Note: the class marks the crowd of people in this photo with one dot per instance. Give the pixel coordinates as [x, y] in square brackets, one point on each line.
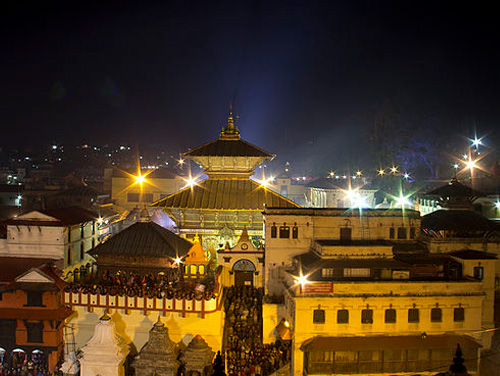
[246, 355]
[21, 365]
[168, 283]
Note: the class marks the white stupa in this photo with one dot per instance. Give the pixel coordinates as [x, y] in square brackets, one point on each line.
[104, 354]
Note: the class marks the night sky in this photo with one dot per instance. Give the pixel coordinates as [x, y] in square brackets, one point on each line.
[306, 76]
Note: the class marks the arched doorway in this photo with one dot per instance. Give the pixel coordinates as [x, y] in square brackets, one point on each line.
[3, 361]
[243, 272]
[19, 360]
[39, 361]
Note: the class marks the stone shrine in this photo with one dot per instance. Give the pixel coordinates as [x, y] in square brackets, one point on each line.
[197, 357]
[159, 355]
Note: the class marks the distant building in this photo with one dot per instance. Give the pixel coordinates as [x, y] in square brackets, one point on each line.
[125, 191]
[340, 192]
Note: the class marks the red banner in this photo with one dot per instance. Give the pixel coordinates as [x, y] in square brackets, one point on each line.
[317, 288]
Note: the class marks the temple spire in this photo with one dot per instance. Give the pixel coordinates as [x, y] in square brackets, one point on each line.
[231, 131]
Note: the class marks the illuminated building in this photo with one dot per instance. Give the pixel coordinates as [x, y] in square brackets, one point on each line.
[362, 296]
[31, 315]
[340, 193]
[228, 201]
[127, 193]
[65, 234]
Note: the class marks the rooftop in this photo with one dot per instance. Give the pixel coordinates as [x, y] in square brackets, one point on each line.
[457, 220]
[144, 239]
[341, 212]
[225, 194]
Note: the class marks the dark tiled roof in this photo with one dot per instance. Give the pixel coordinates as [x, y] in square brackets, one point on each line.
[342, 212]
[71, 215]
[230, 148]
[388, 342]
[470, 254]
[12, 267]
[225, 194]
[144, 239]
[35, 313]
[354, 243]
[457, 220]
[312, 261]
[453, 189]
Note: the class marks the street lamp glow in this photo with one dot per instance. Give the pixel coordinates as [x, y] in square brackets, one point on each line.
[394, 169]
[190, 181]
[381, 172]
[476, 142]
[358, 173]
[402, 201]
[470, 164]
[301, 280]
[406, 175]
[497, 205]
[140, 179]
[181, 161]
[455, 166]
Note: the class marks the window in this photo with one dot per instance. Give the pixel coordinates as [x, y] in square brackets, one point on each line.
[148, 197]
[342, 316]
[295, 232]
[357, 272]
[327, 272]
[82, 251]
[345, 234]
[478, 272]
[132, 197]
[367, 316]
[402, 233]
[436, 315]
[35, 331]
[34, 298]
[274, 231]
[391, 233]
[93, 228]
[284, 232]
[413, 315]
[93, 243]
[390, 316]
[319, 316]
[69, 255]
[413, 232]
[458, 314]
[82, 231]
[0, 295]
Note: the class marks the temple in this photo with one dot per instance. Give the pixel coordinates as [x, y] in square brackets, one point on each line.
[228, 200]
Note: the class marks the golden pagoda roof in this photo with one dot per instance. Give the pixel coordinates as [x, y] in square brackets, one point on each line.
[225, 194]
[235, 147]
[229, 144]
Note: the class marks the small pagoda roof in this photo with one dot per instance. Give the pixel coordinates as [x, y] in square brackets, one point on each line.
[228, 148]
[454, 189]
[457, 220]
[225, 194]
[144, 239]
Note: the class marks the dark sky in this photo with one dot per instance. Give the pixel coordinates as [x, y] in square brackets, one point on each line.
[305, 75]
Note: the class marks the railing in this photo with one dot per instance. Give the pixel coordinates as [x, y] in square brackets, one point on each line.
[144, 303]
